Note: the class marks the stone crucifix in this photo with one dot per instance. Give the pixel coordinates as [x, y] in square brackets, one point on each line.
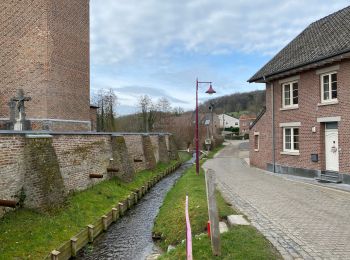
[20, 109]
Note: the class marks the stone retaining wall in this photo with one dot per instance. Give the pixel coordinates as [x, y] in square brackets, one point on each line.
[49, 166]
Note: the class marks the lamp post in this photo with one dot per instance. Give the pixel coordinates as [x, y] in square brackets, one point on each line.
[209, 91]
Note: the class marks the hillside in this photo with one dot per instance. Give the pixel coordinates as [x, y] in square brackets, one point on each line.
[251, 102]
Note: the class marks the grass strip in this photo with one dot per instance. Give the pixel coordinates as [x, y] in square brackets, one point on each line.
[184, 156]
[243, 242]
[29, 234]
[170, 223]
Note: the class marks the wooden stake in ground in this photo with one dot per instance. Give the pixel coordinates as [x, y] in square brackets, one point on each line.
[213, 212]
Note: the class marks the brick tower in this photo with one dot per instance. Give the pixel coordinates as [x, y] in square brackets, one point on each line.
[44, 50]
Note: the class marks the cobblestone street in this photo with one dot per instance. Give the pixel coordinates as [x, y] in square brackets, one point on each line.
[303, 221]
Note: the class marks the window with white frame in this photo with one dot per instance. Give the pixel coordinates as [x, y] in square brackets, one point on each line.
[290, 93]
[291, 139]
[256, 142]
[329, 87]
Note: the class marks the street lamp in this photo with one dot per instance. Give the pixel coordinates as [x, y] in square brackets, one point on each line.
[210, 91]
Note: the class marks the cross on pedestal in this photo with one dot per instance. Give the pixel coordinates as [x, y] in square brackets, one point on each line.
[20, 109]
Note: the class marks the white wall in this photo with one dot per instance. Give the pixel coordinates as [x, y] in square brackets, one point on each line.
[228, 121]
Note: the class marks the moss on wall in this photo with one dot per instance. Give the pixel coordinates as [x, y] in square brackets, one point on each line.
[43, 182]
[121, 159]
[173, 148]
[148, 152]
[163, 149]
[85, 150]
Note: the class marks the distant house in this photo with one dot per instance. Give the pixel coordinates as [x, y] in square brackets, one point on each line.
[305, 128]
[245, 121]
[227, 121]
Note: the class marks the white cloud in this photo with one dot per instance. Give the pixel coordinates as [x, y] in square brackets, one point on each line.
[153, 45]
[134, 30]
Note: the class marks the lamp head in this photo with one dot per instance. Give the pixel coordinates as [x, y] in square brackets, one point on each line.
[210, 91]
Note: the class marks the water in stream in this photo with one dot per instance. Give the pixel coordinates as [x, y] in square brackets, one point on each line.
[131, 236]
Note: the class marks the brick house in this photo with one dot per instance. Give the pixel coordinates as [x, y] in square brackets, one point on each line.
[305, 127]
[45, 52]
[245, 121]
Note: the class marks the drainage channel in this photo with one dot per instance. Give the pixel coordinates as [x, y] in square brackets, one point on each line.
[131, 236]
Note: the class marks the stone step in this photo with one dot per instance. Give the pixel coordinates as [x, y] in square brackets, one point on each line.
[234, 220]
[328, 176]
[331, 173]
[223, 227]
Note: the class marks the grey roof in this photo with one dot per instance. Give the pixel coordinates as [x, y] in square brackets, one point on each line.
[325, 38]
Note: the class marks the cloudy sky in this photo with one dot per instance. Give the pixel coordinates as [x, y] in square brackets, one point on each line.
[159, 47]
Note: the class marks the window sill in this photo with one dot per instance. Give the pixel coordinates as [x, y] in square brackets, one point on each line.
[291, 153]
[327, 103]
[289, 108]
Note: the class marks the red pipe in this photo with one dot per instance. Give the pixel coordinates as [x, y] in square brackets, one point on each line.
[95, 176]
[8, 203]
[112, 170]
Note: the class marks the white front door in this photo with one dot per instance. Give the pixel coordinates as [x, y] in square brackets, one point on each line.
[332, 150]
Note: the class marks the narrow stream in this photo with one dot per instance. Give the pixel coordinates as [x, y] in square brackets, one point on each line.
[131, 236]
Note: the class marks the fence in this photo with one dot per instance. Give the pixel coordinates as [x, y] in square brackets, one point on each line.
[88, 235]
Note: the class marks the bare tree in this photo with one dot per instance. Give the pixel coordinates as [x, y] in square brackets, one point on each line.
[106, 100]
[178, 111]
[164, 105]
[145, 104]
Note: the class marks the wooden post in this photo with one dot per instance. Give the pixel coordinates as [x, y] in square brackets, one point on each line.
[213, 212]
[104, 222]
[91, 233]
[73, 241]
[135, 197]
[143, 190]
[129, 202]
[54, 254]
[121, 212]
[114, 214]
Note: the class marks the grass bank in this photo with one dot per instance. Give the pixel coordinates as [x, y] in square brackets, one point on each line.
[184, 156]
[28, 234]
[239, 243]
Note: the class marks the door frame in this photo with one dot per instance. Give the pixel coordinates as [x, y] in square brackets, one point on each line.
[331, 130]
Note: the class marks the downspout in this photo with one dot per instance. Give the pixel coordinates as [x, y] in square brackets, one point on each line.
[273, 126]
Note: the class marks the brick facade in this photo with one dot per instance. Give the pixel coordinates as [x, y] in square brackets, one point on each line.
[244, 123]
[45, 52]
[67, 160]
[307, 113]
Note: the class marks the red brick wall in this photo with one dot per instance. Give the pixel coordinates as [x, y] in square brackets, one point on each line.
[307, 114]
[244, 125]
[93, 118]
[12, 169]
[263, 126]
[77, 157]
[23, 54]
[45, 51]
[68, 26]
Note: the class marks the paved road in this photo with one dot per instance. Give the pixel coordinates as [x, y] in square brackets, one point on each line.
[303, 221]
